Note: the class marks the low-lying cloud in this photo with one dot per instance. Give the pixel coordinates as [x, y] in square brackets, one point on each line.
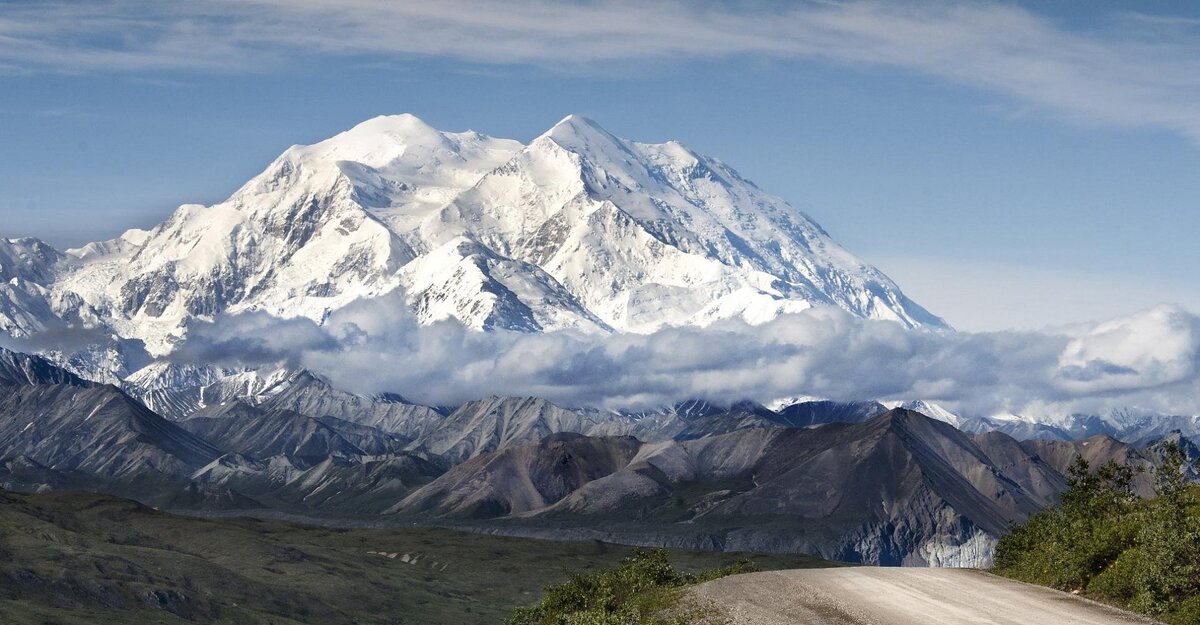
[1148, 361]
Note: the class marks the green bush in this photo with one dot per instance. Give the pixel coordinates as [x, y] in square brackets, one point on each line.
[1118, 582]
[1187, 612]
[642, 590]
[1102, 540]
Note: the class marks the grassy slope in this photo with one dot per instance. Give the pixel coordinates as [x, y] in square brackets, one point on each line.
[84, 558]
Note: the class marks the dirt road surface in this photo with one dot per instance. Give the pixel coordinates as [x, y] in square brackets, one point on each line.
[897, 596]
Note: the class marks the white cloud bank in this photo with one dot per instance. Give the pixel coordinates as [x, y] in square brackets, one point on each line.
[1148, 361]
[1133, 70]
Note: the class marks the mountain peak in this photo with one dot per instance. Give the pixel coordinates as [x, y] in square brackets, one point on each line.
[378, 141]
[575, 119]
[931, 410]
[906, 423]
[575, 132]
[403, 123]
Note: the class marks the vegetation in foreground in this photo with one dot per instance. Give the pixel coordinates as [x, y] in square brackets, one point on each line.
[1106, 543]
[82, 558]
[644, 589]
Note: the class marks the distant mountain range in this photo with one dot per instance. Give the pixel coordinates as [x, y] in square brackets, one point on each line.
[853, 481]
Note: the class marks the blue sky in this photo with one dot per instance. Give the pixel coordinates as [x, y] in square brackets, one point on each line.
[1009, 166]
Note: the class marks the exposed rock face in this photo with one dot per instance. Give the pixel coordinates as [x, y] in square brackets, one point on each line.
[59, 431]
[179, 392]
[52, 422]
[243, 429]
[900, 488]
[499, 422]
[525, 478]
[820, 412]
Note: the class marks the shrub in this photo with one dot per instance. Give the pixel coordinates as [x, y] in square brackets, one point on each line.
[1118, 582]
[1101, 539]
[1187, 613]
[640, 591]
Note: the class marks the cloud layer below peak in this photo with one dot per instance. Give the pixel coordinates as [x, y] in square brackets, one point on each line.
[1148, 361]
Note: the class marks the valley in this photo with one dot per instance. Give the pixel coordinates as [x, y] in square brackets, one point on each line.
[81, 558]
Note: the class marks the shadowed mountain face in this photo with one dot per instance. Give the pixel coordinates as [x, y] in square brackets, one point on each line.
[499, 422]
[18, 369]
[900, 488]
[96, 429]
[524, 478]
[810, 413]
[495, 423]
[52, 419]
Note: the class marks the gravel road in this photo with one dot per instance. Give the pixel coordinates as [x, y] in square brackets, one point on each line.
[897, 596]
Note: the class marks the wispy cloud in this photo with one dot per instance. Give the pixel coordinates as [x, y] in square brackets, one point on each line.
[1135, 70]
[167, 83]
[64, 112]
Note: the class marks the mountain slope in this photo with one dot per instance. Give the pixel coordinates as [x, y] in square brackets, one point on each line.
[821, 412]
[897, 488]
[646, 235]
[60, 432]
[240, 428]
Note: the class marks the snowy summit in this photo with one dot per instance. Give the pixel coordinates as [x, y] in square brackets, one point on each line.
[578, 229]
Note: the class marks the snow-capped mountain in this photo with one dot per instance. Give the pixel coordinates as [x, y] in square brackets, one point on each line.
[578, 229]
[26, 265]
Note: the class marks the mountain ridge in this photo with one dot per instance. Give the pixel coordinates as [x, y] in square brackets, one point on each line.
[898, 488]
[817, 477]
